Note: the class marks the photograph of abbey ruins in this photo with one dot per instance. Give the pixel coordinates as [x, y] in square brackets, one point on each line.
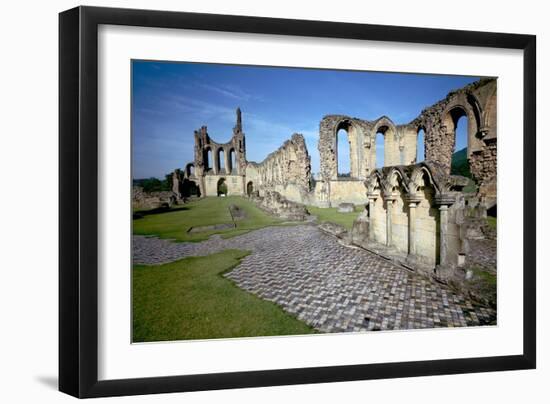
[272, 201]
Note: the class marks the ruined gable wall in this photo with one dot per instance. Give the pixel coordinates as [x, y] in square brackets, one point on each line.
[360, 151]
[286, 171]
[220, 165]
[478, 102]
[399, 145]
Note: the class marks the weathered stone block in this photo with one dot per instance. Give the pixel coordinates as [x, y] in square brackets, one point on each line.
[346, 207]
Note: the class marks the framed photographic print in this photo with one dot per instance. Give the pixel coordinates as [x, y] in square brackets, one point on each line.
[251, 201]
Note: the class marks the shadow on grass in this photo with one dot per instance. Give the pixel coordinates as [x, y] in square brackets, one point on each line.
[142, 213]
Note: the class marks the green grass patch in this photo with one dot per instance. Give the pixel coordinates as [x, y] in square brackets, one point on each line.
[332, 215]
[489, 278]
[175, 223]
[190, 299]
[492, 222]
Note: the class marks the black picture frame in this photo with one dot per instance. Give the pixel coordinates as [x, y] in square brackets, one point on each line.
[78, 201]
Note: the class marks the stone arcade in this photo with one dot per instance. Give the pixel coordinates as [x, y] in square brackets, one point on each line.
[415, 213]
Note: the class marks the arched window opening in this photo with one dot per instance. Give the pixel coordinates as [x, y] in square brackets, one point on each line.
[208, 159]
[380, 146]
[221, 160]
[459, 160]
[249, 188]
[232, 165]
[420, 145]
[343, 151]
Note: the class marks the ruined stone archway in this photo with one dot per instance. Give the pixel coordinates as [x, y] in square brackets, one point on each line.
[190, 170]
[221, 187]
[456, 117]
[249, 188]
[396, 195]
[220, 160]
[427, 241]
[347, 129]
[190, 188]
[208, 162]
[420, 144]
[231, 162]
[328, 146]
[441, 124]
[391, 151]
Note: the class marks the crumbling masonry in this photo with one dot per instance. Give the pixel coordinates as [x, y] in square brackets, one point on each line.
[415, 211]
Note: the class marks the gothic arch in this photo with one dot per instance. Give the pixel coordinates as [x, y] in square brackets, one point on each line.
[374, 183]
[464, 104]
[208, 159]
[396, 178]
[420, 128]
[189, 170]
[352, 134]
[220, 160]
[425, 190]
[232, 161]
[420, 177]
[387, 128]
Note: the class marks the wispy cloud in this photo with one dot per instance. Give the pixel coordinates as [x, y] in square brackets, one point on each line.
[199, 108]
[229, 91]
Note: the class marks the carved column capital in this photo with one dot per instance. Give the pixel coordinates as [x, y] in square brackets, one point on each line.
[372, 196]
[445, 200]
[413, 199]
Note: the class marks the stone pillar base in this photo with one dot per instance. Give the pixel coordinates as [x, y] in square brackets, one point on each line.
[444, 273]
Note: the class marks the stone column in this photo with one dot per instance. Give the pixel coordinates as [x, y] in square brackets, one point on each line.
[389, 212]
[413, 202]
[444, 201]
[175, 184]
[443, 214]
[372, 200]
[227, 158]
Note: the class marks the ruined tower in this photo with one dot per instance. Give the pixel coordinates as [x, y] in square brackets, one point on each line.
[215, 162]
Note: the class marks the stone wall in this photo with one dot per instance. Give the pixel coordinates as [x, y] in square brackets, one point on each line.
[275, 204]
[217, 160]
[412, 214]
[142, 200]
[476, 102]
[286, 171]
[234, 184]
[347, 191]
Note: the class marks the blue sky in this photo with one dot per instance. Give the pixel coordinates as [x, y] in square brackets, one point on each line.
[170, 100]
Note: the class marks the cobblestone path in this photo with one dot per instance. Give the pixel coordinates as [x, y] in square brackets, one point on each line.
[483, 253]
[331, 287]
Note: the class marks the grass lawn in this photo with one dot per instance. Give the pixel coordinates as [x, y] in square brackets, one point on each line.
[175, 223]
[332, 215]
[190, 299]
[492, 222]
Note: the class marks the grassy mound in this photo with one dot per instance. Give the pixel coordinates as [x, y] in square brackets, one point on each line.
[175, 223]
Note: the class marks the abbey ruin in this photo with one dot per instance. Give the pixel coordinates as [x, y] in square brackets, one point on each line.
[416, 213]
